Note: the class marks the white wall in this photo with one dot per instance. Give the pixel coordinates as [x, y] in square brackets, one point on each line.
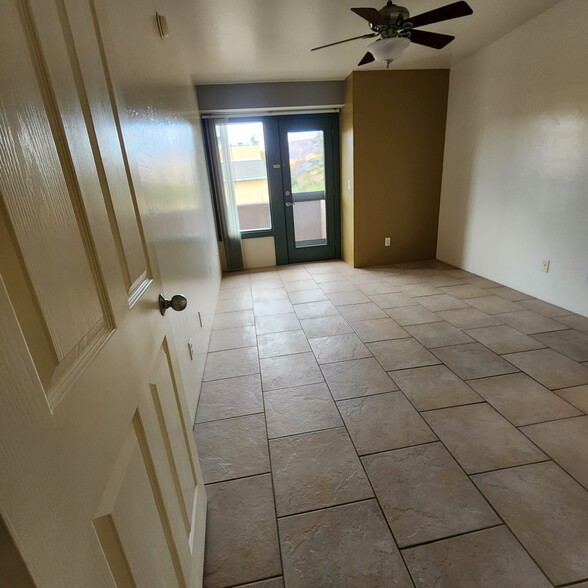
[515, 177]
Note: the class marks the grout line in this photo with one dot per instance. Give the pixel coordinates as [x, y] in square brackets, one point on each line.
[423, 543]
[236, 478]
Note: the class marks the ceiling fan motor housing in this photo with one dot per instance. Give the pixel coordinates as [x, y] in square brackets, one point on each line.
[396, 17]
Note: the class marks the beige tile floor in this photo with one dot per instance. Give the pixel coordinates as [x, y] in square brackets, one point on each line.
[412, 425]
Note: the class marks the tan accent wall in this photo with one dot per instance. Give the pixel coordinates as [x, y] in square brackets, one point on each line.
[398, 133]
[347, 181]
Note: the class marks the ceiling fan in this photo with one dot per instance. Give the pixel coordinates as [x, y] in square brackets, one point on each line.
[396, 29]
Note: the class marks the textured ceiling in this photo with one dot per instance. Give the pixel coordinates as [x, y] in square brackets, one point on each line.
[270, 40]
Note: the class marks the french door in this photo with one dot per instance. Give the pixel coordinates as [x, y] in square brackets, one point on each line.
[284, 175]
[309, 198]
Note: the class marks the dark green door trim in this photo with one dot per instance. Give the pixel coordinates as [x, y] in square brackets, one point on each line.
[312, 251]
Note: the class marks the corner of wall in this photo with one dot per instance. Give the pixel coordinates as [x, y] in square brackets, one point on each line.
[347, 176]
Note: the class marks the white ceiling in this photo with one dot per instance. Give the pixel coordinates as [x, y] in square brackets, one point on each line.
[270, 40]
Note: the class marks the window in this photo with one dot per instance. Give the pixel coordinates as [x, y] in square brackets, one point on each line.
[249, 174]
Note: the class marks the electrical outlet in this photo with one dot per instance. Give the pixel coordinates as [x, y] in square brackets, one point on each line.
[387, 242]
[191, 348]
[545, 265]
[349, 184]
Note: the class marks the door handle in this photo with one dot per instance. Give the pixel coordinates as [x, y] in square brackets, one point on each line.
[177, 303]
[286, 193]
[289, 204]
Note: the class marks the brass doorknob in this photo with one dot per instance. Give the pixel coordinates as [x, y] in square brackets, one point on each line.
[177, 303]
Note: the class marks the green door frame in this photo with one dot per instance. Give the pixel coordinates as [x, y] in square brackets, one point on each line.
[328, 124]
[278, 168]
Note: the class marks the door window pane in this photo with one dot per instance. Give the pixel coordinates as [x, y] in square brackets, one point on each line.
[310, 223]
[306, 150]
[249, 177]
[307, 161]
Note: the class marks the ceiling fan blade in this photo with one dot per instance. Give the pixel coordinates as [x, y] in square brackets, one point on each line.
[434, 40]
[372, 15]
[455, 10]
[368, 36]
[367, 58]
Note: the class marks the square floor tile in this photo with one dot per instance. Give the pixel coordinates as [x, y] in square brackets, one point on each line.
[392, 300]
[315, 309]
[485, 559]
[425, 495]
[276, 323]
[378, 288]
[305, 296]
[504, 339]
[530, 322]
[237, 551]
[231, 320]
[382, 422]
[434, 387]
[346, 546]
[221, 399]
[550, 368]
[509, 293]
[299, 410]
[544, 308]
[464, 291]
[315, 470]
[300, 286]
[522, 400]
[481, 282]
[359, 377]
[473, 361]
[571, 343]
[412, 315]
[233, 293]
[289, 370]
[338, 348]
[480, 439]
[271, 294]
[548, 512]
[379, 330]
[577, 395]
[243, 303]
[325, 326]
[440, 302]
[566, 442]
[232, 448]
[231, 363]
[574, 321]
[494, 304]
[339, 285]
[361, 312]
[350, 297]
[287, 343]
[468, 318]
[232, 338]
[401, 353]
[403, 279]
[271, 307]
[438, 334]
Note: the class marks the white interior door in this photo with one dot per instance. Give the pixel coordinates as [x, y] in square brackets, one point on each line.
[100, 478]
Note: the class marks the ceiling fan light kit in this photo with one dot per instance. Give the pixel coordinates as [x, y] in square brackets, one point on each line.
[396, 28]
[387, 50]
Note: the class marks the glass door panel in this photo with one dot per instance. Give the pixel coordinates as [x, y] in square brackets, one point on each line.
[306, 151]
[309, 187]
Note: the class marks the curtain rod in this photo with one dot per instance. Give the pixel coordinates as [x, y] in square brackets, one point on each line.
[258, 113]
